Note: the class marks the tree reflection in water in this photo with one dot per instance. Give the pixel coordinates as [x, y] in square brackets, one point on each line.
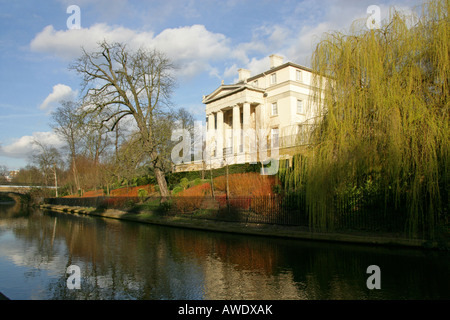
[124, 260]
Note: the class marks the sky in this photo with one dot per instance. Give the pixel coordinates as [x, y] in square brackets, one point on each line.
[208, 40]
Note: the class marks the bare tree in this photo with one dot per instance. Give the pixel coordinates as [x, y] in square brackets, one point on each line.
[30, 175]
[136, 84]
[3, 174]
[97, 138]
[68, 124]
[47, 159]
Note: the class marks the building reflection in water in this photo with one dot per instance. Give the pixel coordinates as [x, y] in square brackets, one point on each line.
[124, 260]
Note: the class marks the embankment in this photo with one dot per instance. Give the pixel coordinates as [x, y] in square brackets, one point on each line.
[290, 232]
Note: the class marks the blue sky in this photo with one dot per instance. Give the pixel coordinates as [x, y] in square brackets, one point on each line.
[209, 41]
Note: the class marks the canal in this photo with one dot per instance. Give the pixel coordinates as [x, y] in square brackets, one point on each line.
[127, 260]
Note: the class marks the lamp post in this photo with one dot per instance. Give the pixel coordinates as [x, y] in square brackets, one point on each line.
[56, 180]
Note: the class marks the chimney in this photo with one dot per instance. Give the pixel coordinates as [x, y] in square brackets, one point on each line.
[275, 61]
[244, 74]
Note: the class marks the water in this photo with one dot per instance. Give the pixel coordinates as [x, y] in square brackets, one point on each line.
[126, 260]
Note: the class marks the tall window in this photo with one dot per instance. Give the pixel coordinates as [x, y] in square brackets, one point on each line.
[300, 106]
[275, 137]
[273, 78]
[298, 75]
[274, 109]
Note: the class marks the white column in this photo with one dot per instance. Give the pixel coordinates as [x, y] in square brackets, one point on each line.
[236, 129]
[259, 127]
[210, 135]
[219, 134]
[246, 128]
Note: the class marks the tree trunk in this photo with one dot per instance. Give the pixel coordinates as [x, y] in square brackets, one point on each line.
[203, 169]
[228, 186]
[160, 178]
[75, 174]
[56, 182]
[212, 180]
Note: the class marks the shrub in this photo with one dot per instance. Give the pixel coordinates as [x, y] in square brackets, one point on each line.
[191, 199]
[246, 184]
[177, 190]
[184, 183]
[132, 191]
[266, 205]
[142, 194]
[195, 182]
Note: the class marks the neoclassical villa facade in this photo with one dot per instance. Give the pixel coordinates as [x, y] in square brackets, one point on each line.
[261, 117]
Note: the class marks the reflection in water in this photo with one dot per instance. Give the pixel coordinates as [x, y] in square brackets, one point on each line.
[124, 260]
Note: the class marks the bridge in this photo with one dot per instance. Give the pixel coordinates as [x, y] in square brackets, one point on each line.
[16, 192]
[19, 189]
[14, 189]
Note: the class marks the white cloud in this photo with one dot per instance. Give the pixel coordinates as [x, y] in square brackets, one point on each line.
[67, 44]
[257, 66]
[192, 42]
[60, 93]
[231, 71]
[24, 146]
[303, 45]
[193, 48]
[190, 47]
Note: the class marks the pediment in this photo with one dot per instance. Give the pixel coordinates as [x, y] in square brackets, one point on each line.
[223, 90]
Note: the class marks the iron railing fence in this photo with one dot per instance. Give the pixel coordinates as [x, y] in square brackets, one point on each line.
[348, 214]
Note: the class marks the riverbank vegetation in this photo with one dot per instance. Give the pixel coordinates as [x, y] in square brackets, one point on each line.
[384, 131]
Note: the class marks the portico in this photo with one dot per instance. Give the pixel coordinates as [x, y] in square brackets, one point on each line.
[259, 117]
[233, 117]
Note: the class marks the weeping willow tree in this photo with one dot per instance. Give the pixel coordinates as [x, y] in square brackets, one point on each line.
[384, 118]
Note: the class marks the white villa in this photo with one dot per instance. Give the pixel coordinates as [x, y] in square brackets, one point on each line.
[259, 117]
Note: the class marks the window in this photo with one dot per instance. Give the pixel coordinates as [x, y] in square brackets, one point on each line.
[273, 78]
[298, 75]
[300, 106]
[275, 137]
[274, 109]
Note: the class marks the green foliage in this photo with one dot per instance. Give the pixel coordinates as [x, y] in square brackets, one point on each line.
[384, 122]
[65, 190]
[144, 180]
[277, 189]
[174, 178]
[142, 194]
[164, 208]
[196, 182]
[184, 183]
[177, 189]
